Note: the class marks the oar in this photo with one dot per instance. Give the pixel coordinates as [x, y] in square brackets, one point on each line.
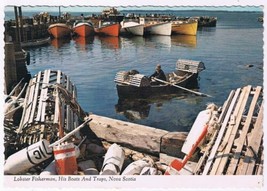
[198, 93]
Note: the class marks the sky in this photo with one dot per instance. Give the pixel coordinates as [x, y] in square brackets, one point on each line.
[100, 8]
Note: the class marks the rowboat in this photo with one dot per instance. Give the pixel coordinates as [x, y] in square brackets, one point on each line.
[35, 43]
[82, 28]
[108, 28]
[59, 30]
[133, 28]
[187, 27]
[131, 84]
[156, 26]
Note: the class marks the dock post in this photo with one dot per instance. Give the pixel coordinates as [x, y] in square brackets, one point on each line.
[10, 67]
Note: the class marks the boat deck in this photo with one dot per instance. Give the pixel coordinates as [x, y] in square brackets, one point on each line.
[236, 146]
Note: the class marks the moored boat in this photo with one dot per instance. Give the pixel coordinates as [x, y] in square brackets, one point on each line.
[206, 21]
[131, 84]
[35, 43]
[156, 26]
[59, 30]
[82, 28]
[188, 27]
[133, 28]
[108, 28]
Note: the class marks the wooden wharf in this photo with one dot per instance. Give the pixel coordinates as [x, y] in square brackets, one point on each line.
[236, 146]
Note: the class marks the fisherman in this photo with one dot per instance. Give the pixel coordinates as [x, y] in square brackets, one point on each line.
[159, 74]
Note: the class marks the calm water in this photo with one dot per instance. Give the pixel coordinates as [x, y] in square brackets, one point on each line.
[226, 51]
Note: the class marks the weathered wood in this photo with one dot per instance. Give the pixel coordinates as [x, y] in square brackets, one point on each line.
[34, 101]
[241, 140]
[137, 137]
[231, 133]
[253, 146]
[225, 108]
[172, 142]
[221, 133]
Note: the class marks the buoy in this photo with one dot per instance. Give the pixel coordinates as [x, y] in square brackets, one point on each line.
[195, 136]
[50, 169]
[113, 161]
[149, 171]
[88, 167]
[136, 167]
[28, 157]
[65, 157]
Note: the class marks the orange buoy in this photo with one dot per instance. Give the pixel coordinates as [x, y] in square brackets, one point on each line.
[65, 157]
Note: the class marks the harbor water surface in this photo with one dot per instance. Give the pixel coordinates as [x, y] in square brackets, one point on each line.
[232, 53]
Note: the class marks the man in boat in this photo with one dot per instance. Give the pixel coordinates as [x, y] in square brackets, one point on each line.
[159, 74]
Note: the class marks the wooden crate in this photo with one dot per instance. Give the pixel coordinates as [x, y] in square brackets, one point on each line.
[236, 146]
[45, 108]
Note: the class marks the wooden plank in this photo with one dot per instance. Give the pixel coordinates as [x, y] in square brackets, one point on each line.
[35, 99]
[29, 100]
[63, 105]
[25, 105]
[221, 133]
[225, 108]
[134, 136]
[41, 98]
[233, 164]
[232, 132]
[57, 104]
[254, 143]
[173, 142]
[68, 119]
[46, 82]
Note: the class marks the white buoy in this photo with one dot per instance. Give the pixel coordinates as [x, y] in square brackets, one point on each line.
[113, 161]
[136, 167]
[50, 169]
[28, 157]
[149, 171]
[88, 167]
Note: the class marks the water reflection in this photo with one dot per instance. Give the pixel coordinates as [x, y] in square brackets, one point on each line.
[184, 40]
[133, 109]
[136, 41]
[82, 42]
[57, 43]
[110, 42]
[158, 41]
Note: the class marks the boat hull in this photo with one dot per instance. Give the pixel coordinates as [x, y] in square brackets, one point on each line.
[109, 30]
[59, 30]
[128, 91]
[133, 28]
[185, 28]
[35, 43]
[158, 29]
[83, 29]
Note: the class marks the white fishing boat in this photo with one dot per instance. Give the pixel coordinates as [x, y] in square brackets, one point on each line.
[132, 27]
[156, 27]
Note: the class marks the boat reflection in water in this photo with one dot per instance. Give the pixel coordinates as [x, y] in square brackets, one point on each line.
[82, 42]
[57, 43]
[110, 42]
[184, 40]
[133, 109]
[158, 41]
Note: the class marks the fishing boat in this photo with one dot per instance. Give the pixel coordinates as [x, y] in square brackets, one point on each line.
[187, 27]
[83, 29]
[206, 21]
[133, 28]
[59, 30]
[155, 26]
[131, 84]
[108, 28]
[35, 43]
